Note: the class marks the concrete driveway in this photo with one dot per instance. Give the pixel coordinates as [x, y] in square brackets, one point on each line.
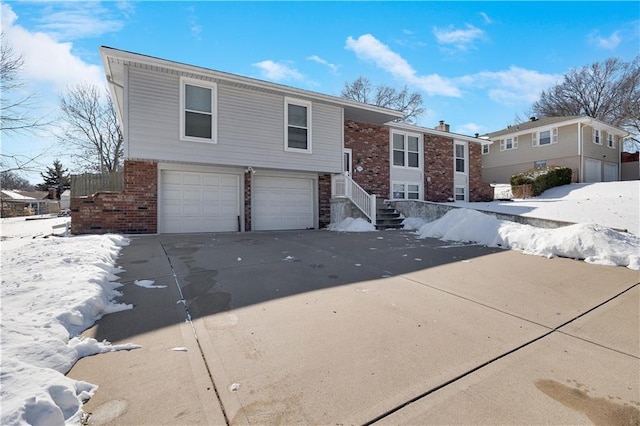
[316, 327]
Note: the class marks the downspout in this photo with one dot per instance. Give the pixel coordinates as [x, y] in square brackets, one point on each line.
[580, 153]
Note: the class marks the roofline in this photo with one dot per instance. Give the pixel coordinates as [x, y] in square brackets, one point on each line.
[583, 120]
[415, 128]
[106, 51]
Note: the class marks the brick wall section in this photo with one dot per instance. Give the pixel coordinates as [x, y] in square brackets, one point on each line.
[438, 165]
[324, 200]
[132, 211]
[370, 143]
[478, 190]
[247, 201]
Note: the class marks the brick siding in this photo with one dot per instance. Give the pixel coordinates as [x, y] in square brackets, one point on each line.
[324, 200]
[370, 146]
[478, 190]
[134, 210]
[438, 168]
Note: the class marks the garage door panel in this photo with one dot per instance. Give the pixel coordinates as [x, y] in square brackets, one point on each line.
[282, 203]
[199, 202]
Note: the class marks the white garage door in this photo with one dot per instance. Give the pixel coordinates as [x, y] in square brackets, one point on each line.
[610, 172]
[593, 170]
[198, 202]
[282, 203]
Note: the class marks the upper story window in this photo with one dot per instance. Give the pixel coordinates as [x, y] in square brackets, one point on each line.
[297, 125]
[545, 137]
[460, 158]
[509, 143]
[596, 136]
[485, 149]
[406, 150]
[198, 110]
[611, 141]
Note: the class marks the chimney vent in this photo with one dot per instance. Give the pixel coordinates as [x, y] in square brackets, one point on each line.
[442, 126]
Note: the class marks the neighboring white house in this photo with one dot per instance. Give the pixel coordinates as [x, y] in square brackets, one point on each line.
[588, 146]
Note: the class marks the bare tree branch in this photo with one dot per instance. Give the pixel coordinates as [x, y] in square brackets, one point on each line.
[361, 90]
[92, 128]
[608, 91]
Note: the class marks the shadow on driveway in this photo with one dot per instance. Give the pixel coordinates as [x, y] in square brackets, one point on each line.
[221, 272]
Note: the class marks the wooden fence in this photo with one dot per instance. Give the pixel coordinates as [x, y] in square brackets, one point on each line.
[90, 183]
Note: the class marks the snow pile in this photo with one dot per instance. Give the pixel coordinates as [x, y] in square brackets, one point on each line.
[352, 225]
[586, 241]
[52, 289]
[413, 223]
[610, 204]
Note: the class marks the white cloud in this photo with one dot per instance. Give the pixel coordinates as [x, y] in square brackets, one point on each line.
[277, 71]
[73, 20]
[512, 87]
[607, 43]
[47, 61]
[486, 18]
[367, 47]
[461, 39]
[469, 129]
[316, 58]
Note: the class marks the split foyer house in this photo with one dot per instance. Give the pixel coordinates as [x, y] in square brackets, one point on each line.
[207, 151]
[591, 148]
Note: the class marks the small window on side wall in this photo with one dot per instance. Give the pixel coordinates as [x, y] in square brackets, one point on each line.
[485, 149]
[540, 164]
[611, 141]
[297, 126]
[198, 110]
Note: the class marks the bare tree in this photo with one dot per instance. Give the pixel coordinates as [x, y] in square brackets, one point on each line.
[608, 91]
[11, 180]
[16, 104]
[92, 127]
[361, 90]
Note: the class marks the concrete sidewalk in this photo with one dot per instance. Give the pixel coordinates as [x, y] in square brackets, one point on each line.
[324, 328]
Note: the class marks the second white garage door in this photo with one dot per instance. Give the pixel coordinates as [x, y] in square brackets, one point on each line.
[198, 202]
[282, 203]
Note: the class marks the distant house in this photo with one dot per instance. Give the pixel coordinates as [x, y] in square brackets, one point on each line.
[208, 151]
[24, 203]
[588, 146]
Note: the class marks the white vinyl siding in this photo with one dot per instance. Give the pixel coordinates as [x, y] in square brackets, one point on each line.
[197, 110]
[297, 125]
[250, 128]
[509, 143]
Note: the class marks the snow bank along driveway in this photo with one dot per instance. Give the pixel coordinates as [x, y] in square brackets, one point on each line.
[52, 289]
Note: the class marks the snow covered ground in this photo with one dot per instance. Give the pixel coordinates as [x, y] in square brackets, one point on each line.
[53, 287]
[596, 208]
[51, 290]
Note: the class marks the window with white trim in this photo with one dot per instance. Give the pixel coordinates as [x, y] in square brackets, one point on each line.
[197, 110]
[485, 149]
[460, 158]
[596, 136]
[297, 125]
[406, 191]
[611, 141]
[406, 150]
[460, 193]
[545, 137]
[509, 143]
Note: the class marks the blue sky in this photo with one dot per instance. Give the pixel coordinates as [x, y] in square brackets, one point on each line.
[478, 65]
